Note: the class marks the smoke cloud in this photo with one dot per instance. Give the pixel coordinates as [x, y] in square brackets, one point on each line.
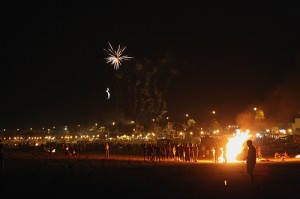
[280, 104]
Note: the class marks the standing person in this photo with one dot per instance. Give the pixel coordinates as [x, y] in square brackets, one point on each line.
[145, 149]
[67, 151]
[196, 151]
[217, 153]
[174, 152]
[251, 159]
[258, 150]
[225, 154]
[74, 153]
[214, 154]
[106, 150]
[2, 156]
[203, 150]
[50, 149]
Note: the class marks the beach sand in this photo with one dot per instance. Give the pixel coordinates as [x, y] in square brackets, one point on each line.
[93, 176]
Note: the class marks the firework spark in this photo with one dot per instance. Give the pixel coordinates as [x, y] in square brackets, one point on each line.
[115, 57]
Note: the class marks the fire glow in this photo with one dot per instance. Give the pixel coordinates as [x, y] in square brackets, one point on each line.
[235, 145]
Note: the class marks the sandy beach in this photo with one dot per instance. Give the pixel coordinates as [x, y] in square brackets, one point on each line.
[93, 176]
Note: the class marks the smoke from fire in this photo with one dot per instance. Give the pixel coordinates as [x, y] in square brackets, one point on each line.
[279, 105]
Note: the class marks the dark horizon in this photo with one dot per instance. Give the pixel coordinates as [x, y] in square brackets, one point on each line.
[227, 60]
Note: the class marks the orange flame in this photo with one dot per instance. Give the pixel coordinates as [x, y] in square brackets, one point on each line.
[234, 145]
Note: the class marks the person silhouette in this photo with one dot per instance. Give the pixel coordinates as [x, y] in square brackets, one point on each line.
[108, 94]
[251, 159]
[2, 156]
[106, 150]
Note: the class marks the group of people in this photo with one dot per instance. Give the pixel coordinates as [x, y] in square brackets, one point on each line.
[219, 154]
[166, 151]
[71, 151]
[281, 156]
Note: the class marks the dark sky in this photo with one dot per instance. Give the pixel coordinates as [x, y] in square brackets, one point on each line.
[228, 58]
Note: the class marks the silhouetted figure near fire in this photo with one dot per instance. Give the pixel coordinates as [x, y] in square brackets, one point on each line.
[213, 154]
[225, 154]
[251, 159]
[106, 150]
[145, 151]
[258, 150]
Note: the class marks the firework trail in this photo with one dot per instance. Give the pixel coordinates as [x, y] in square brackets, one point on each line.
[108, 94]
[115, 57]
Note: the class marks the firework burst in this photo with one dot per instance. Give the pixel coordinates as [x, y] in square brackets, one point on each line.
[115, 57]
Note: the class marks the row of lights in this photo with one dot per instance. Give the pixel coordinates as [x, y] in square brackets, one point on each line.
[96, 124]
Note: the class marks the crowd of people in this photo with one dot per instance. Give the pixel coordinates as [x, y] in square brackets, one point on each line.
[149, 151]
[154, 151]
[186, 152]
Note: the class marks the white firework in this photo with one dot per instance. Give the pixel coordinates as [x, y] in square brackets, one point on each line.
[115, 57]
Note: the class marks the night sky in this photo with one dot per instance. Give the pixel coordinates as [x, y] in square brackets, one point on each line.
[227, 58]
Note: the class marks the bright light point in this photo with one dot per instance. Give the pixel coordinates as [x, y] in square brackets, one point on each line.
[283, 131]
[225, 182]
